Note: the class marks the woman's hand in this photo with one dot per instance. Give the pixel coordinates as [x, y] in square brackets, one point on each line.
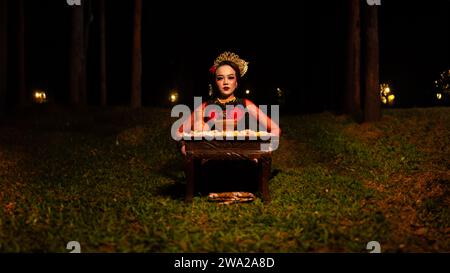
[183, 149]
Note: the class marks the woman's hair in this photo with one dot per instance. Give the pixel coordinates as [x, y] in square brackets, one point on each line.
[235, 68]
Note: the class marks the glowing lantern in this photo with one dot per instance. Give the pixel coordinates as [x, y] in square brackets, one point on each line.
[386, 95]
[40, 96]
[173, 97]
[391, 99]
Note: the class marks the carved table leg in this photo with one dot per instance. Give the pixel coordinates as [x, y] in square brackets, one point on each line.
[263, 177]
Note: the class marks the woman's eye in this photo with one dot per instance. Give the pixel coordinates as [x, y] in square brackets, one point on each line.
[231, 78]
[219, 79]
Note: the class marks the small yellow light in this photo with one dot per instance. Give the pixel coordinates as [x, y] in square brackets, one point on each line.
[247, 91]
[439, 96]
[391, 98]
[279, 92]
[383, 100]
[173, 95]
[40, 96]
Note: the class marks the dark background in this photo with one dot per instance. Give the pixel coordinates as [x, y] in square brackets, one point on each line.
[298, 46]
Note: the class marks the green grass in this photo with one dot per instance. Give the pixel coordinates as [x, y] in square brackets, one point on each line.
[112, 179]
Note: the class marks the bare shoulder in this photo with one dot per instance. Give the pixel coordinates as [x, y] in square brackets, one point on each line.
[248, 102]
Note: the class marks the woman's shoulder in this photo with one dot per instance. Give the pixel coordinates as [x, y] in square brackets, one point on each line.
[247, 102]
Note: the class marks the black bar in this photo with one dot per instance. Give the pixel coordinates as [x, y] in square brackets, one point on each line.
[224, 262]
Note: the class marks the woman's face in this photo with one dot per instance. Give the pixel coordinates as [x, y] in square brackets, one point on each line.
[226, 80]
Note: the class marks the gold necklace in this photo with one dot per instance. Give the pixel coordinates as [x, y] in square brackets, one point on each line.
[226, 100]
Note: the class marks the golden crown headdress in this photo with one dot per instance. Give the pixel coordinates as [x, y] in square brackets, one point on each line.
[232, 57]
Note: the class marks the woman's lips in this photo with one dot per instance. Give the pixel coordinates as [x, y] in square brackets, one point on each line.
[226, 88]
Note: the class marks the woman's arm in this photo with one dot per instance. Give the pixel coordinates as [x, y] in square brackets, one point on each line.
[193, 123]
[262, 118]
[190, 124]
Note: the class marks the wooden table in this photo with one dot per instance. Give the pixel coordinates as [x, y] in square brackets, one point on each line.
[198, 150]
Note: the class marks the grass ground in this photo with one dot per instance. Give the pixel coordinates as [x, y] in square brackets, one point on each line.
[112, 179]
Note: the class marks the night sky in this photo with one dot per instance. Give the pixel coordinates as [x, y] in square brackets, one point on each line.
[298, 47]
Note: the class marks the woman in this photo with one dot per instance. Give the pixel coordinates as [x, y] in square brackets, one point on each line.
[227, 71]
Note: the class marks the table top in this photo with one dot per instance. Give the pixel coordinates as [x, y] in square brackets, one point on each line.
[226, 135]
[238, 144]
[226, 149]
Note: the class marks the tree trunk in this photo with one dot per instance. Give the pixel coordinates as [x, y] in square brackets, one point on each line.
[352, 99]
[23, 98]
[136, 73]
[3, 54]
[372, 104]
[87, 20]
[103, 79]
[77, 56]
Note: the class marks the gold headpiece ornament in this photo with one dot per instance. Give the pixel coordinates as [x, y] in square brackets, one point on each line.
[230, 56]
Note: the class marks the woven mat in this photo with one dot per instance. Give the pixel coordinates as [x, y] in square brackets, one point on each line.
[226, 198]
